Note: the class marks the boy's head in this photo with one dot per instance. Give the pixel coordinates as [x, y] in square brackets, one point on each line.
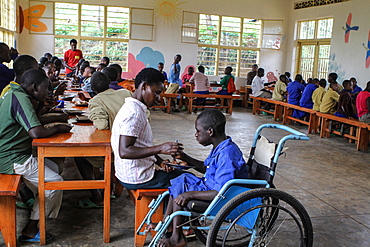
[101, 66]
[315, 81]
[322, 83]
[99, 82]
[73, 44]
[287, 74]
[354, 82]
[298, 78]
[283, 78]
[149, 86]
[105, 60]
[54, 58]
[43, 60]
[58, 64]
[84, 65]
[254, 67]
[177, 58]
[347, 85]
[367, 87]
[4, 53]
[89, 71]
[190, 70]
[332, 77]
[334, 85]
[119, 71]
[111, 73]
[48, 56]
[51, 65]
[261, 72]
[160, 66]
[228, 70]
[310, 80]
[208, 125]
[48, 71]
[201, 68]
[36, 84]
[22, 64]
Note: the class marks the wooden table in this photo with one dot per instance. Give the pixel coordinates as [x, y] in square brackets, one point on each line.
[83, 141]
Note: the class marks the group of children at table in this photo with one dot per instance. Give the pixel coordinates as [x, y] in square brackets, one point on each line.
[347, 100]
[135, 156]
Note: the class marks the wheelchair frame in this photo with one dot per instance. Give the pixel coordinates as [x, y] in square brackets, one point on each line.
[227, 192]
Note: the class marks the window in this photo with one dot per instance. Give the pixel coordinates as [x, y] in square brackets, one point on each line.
[314, 48]
[228, 41]
[100, 31]
[7, 21]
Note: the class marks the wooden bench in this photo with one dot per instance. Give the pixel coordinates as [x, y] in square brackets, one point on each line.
[141, 199]
[192, 96]
[312, 122]
[163, 105]
[360, 136]
[257, 109]
[9, 187]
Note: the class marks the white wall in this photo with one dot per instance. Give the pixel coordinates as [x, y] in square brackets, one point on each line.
[349, 57]
[167, 37]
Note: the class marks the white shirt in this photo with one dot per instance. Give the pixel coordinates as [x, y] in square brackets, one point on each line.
[200, 81]
[257, 86]
[132, 120]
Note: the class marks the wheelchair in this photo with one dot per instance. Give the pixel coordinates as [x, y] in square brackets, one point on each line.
[246, 212]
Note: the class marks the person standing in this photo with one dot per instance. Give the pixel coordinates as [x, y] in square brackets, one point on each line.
[72, 57]
[174, 79]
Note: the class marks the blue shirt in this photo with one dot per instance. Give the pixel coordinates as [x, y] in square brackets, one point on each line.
[294, 90]
[306, 100]
[175, 77]
[224, 163]
[356, 89]
[6, 76]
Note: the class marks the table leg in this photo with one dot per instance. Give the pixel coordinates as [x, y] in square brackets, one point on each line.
[8, 220]
[107, 178]
[41, 195]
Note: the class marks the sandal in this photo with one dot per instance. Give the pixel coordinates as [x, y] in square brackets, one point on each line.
[36, 238]
[26, 205]
[87, 203]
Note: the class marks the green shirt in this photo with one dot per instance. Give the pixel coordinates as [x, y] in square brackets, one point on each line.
[17, 118]
[225, 81]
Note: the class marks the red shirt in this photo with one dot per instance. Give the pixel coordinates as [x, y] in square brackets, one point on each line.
[71, 58]
[361, 103]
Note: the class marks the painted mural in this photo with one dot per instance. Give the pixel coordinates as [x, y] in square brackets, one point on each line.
[349, 28]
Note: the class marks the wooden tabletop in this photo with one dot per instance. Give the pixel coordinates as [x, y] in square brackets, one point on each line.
[9, 184]
[80, 135]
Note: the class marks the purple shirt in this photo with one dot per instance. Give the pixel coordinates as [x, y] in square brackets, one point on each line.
[114, 85]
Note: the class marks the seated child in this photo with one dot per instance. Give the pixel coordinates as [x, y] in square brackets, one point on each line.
[258, 85]
[363, 104]
[135, 155]
[185, 79]
[112, 74]
[105, 60]
[19, 126]
[346, 105]
[119, 71]
[225, 162]
[160, 68]
[88, 72]
[330, 99]
[318, 94]
[201, 85]
[280, 88]
[101, 66]
[356, 88]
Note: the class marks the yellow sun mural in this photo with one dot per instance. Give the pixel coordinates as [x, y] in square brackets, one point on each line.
[167, 11]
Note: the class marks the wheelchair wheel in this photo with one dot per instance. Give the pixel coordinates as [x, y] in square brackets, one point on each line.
[261, 217]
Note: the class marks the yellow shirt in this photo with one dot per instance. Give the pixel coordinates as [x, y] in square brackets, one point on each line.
[279, 91]
[7, 88]
[329, 102]
[317, 96]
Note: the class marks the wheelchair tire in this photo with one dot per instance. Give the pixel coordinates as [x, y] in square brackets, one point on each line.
[265, 216]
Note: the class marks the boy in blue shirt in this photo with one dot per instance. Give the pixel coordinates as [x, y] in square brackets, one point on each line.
[295, 89]
[225, 162]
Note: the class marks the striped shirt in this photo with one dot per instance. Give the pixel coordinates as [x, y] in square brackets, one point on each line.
[132, 120]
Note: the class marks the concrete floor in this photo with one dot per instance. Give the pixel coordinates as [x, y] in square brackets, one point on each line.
[328, 176]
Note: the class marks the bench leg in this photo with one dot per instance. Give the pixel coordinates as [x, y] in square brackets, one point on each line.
[363, 138]
[190, 105]
[256, 105]
[141, 211]
[231, 106]
[8, 220]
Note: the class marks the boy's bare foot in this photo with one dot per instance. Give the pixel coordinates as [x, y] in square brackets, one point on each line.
[170, 242]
